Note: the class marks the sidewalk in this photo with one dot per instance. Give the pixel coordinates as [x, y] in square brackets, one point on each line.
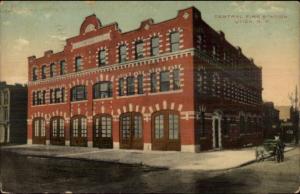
[211, 160]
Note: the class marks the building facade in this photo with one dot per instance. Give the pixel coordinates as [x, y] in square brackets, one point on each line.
[13, 113]
[173, 85]
[271, 121]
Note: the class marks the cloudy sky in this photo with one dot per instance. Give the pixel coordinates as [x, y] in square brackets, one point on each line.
[266, 31]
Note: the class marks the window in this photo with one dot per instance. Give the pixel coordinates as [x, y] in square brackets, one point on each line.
[139, 50]
[5, 111]
[154, 46]
[58, 95]
[44, 72]
[202, 124]
[51, 96]
[214, 51]
[159, 126]
[176, 79]
[5, 97]
[121, 87]
[242, 124]
[130, 85]
[174, 37]
[137, 126]
[101, 57]
[62, 67]
[122, 53]
[103, 126]
[103, 90]
[140, 84]
[164, 81]
[57, 127]
[34, 74]
[78, 64]
[52, 70]
[125, 126]
[153, 82]
[78, 93]
[173, 126]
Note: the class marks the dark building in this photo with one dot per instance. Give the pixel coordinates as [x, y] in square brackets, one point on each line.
[271, 121]
[13, 113]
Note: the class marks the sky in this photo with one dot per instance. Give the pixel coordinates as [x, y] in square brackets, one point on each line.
[267, 31]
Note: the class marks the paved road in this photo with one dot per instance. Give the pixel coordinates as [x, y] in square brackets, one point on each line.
[34, 174]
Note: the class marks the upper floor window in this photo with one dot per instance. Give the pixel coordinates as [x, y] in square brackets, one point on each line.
[130, 85]
[62, 67]
[101, 57]
[40, 97]
[174, 37]
[78, 64]
[34, 74]
[176, 79]
[44, 72]
[164, 81]
[154, 46]
[153, 82]
[78, 93]
[140, 84]
[121, 87]
[214, 51]
[122, 53]
[103, 89]
[5, 97]
[52, 70]
[139, 50]
[57, 95]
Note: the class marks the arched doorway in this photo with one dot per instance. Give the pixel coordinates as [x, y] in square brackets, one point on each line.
[102, 136]
[39, 131]
[165, 130]
[78, 131]
[57, 132]
[217, 130]
[131, 130]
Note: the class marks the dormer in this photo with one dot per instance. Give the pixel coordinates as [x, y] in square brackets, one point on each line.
[146, 24]
[91, 23]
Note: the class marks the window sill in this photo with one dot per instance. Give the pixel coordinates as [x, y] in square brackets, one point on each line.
[101, 99]
[130, 96]
[58, 103]
[166, 92]
[79, 101]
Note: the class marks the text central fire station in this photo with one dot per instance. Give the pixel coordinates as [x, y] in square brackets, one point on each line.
[173, 85]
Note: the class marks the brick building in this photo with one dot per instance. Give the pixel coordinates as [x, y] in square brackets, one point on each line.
[13, 114]
[173, 85]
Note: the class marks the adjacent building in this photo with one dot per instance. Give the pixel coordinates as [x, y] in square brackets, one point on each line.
[174, 85]
[13, 113]
[271, 121]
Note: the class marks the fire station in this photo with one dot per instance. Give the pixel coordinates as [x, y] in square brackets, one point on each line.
[173, 85]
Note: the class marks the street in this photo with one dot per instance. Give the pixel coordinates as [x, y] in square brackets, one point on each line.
[35, 174]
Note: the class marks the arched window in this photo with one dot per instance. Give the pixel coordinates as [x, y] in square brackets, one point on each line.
[103, 89]
[174, 41]
[44, 72]
[57, 127]
[34, 74]
[154, 46]
[78, 93]
[78, 64]
[52, 70]
[101, 57]
[122, 53]
[78, 131]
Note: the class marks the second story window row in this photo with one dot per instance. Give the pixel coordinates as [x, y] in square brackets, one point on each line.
[57, 95]
[39, 97]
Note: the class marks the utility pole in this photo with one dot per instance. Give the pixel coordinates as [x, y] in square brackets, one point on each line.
[295, 114]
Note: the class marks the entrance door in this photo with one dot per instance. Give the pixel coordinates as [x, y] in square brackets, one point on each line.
[165, 131]
[39, 131]
[103, 131]
[78, 131]
[216, 129]
[216, 133]
[131, 131]
[57, 136]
